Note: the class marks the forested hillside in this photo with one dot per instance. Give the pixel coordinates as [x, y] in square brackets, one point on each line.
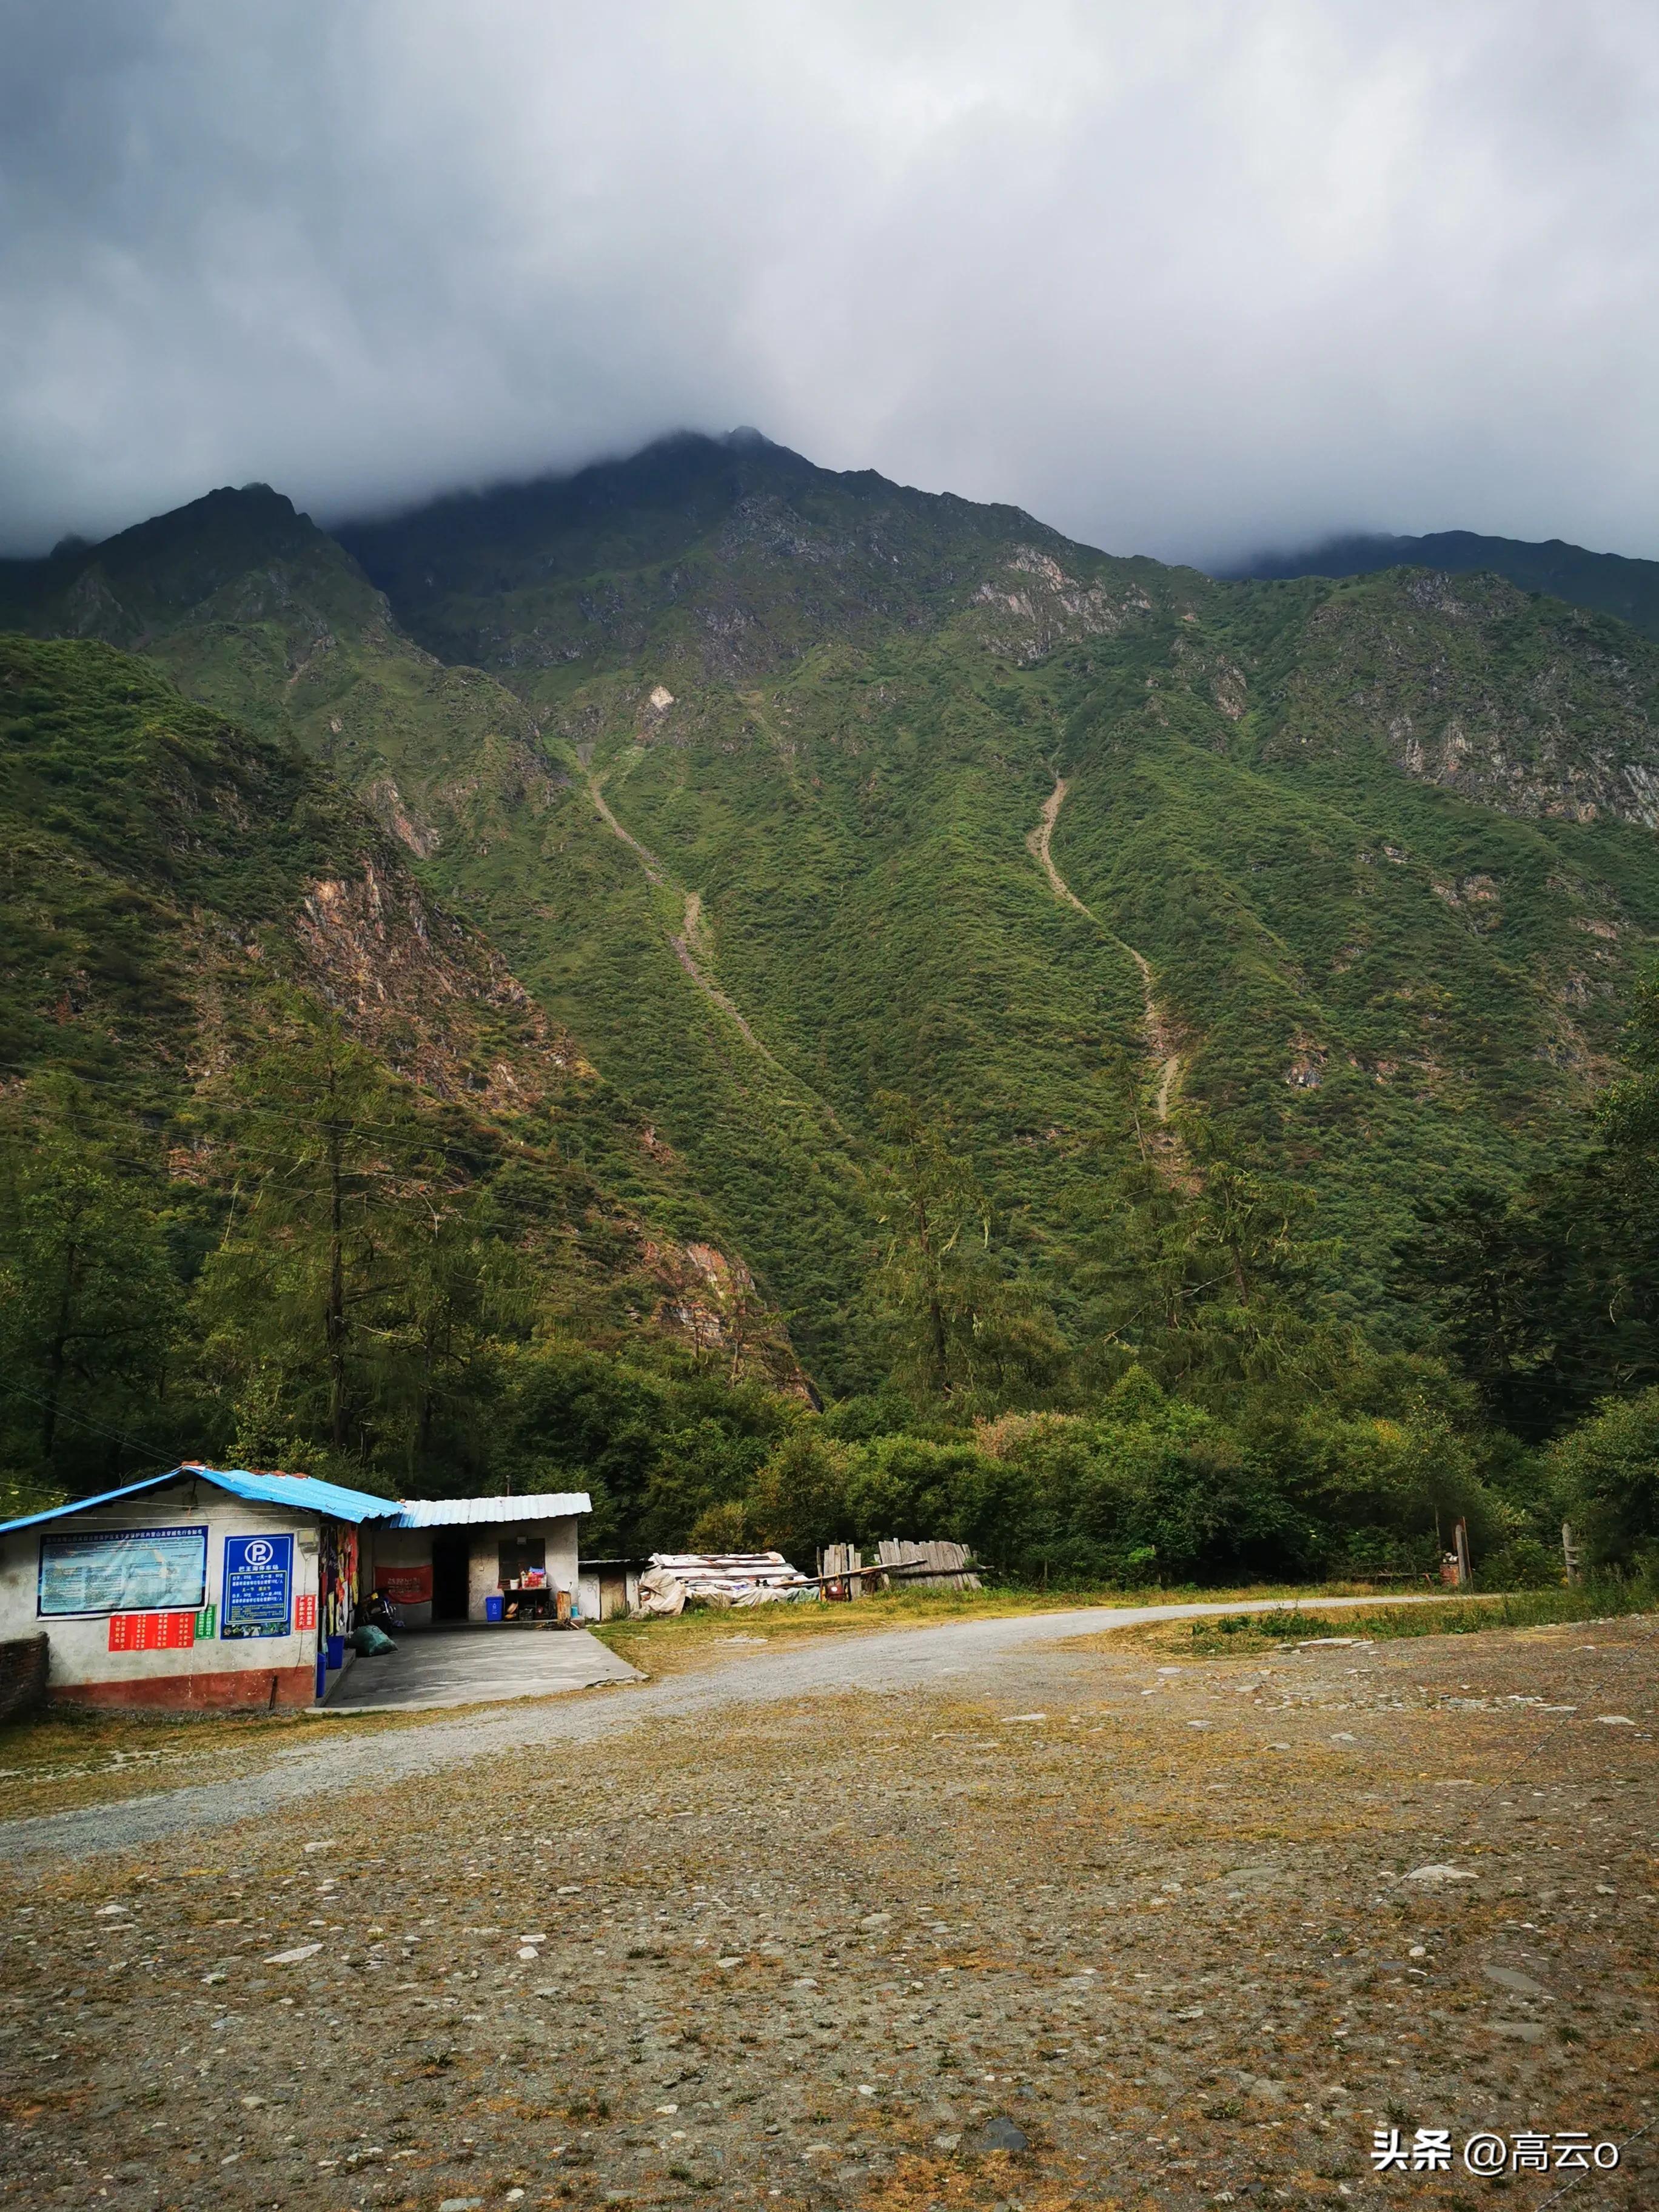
[1604, 583]
[1384, 850]
[1049, 973]
[238, 1041]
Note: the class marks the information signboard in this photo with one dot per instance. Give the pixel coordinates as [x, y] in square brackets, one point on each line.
[123, 1571]
[258, 1586]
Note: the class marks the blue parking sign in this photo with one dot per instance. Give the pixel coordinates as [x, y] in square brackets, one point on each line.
[258, 1586]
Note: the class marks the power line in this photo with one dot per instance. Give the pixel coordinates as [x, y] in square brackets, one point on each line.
[78, 1421]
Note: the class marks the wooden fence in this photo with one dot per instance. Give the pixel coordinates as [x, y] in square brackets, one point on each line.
[935, 1566]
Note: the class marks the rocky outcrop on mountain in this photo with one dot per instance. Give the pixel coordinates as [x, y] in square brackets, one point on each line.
[1470, 684]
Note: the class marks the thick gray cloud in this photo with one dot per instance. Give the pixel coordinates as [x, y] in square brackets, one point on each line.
[1185, 279]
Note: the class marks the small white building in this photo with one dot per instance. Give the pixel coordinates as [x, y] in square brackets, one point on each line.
[206, 1587]
[609, 1589]
[444, 1559]
[229, 1588]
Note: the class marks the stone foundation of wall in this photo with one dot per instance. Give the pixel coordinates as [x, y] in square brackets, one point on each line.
[244, 1689]
[23, 1662]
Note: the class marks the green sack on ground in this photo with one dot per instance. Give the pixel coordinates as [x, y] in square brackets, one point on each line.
[369, 1640]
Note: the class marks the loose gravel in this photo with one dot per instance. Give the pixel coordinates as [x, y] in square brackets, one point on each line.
[986, 1919]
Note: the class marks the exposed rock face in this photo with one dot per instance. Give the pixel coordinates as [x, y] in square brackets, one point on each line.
[1572, 734]
[1048, 608]
[1307, 1069]
[385, 802]
[710, 1299]
[415, 986]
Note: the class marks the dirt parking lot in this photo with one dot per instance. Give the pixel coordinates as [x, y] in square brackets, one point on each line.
[1087, 1923]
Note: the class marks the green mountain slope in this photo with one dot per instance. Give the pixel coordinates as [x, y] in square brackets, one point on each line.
[252, 609]
[1603, 583]
[729, 555]
[750, 779]
[182, 894]
[1376, 980]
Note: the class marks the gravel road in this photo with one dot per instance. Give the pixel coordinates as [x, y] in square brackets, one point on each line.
[1000, 1917]
[966, 1655]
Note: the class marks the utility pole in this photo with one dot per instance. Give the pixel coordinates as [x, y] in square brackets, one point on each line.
[1570, 1554]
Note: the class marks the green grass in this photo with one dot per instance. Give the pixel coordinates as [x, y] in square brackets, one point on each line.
[1239, 1636]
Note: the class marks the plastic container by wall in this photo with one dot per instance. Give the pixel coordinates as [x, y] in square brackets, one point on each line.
[337, 1651]
[493, 1607]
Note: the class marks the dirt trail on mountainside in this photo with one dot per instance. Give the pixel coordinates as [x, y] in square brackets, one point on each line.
[683, 953]
[1161, 1034]
[646, 859]
[682, 941]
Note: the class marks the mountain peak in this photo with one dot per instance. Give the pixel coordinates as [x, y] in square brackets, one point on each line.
[1604, 583]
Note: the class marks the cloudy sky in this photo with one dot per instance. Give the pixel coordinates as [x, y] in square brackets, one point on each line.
[1188, 279]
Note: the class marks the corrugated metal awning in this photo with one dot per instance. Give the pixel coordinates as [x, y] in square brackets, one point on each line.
[266, 1485]
[468, 1512]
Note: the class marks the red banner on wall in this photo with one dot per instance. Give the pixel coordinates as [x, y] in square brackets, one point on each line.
[152, 1632]
[305, 1610]
[405, 1585]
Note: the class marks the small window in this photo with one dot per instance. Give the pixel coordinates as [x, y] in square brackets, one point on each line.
[519, 1552]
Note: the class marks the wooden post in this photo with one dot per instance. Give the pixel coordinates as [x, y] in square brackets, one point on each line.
[1570, 1553]
[1460, 1539]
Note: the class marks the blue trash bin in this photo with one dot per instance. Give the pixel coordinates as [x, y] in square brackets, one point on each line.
[495, 1607]
[335, 1651]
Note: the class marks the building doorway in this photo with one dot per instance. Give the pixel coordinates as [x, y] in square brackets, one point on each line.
[450, 1559]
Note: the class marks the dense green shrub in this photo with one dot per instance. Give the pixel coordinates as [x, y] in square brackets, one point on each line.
[1609, 1473]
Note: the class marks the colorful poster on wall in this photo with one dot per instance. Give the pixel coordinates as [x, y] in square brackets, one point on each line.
[405, 1585]
[258, 1587]
[152, 1632]
[336, 1576]
[123, 1571]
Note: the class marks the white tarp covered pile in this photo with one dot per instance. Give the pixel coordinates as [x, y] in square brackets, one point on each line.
[675, 1579]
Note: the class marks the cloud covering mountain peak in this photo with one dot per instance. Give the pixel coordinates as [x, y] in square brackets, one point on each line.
[1184, 280]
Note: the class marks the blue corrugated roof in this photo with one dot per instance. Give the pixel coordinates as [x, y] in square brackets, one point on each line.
[303, 1492]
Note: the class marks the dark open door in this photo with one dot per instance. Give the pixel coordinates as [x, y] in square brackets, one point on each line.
[450, 1550]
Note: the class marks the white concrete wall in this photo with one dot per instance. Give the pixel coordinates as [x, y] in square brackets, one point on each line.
[484, 1564]
[79, 1646]
[620, 1590]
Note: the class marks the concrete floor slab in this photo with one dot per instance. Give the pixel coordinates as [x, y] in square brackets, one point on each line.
[475, 1667]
